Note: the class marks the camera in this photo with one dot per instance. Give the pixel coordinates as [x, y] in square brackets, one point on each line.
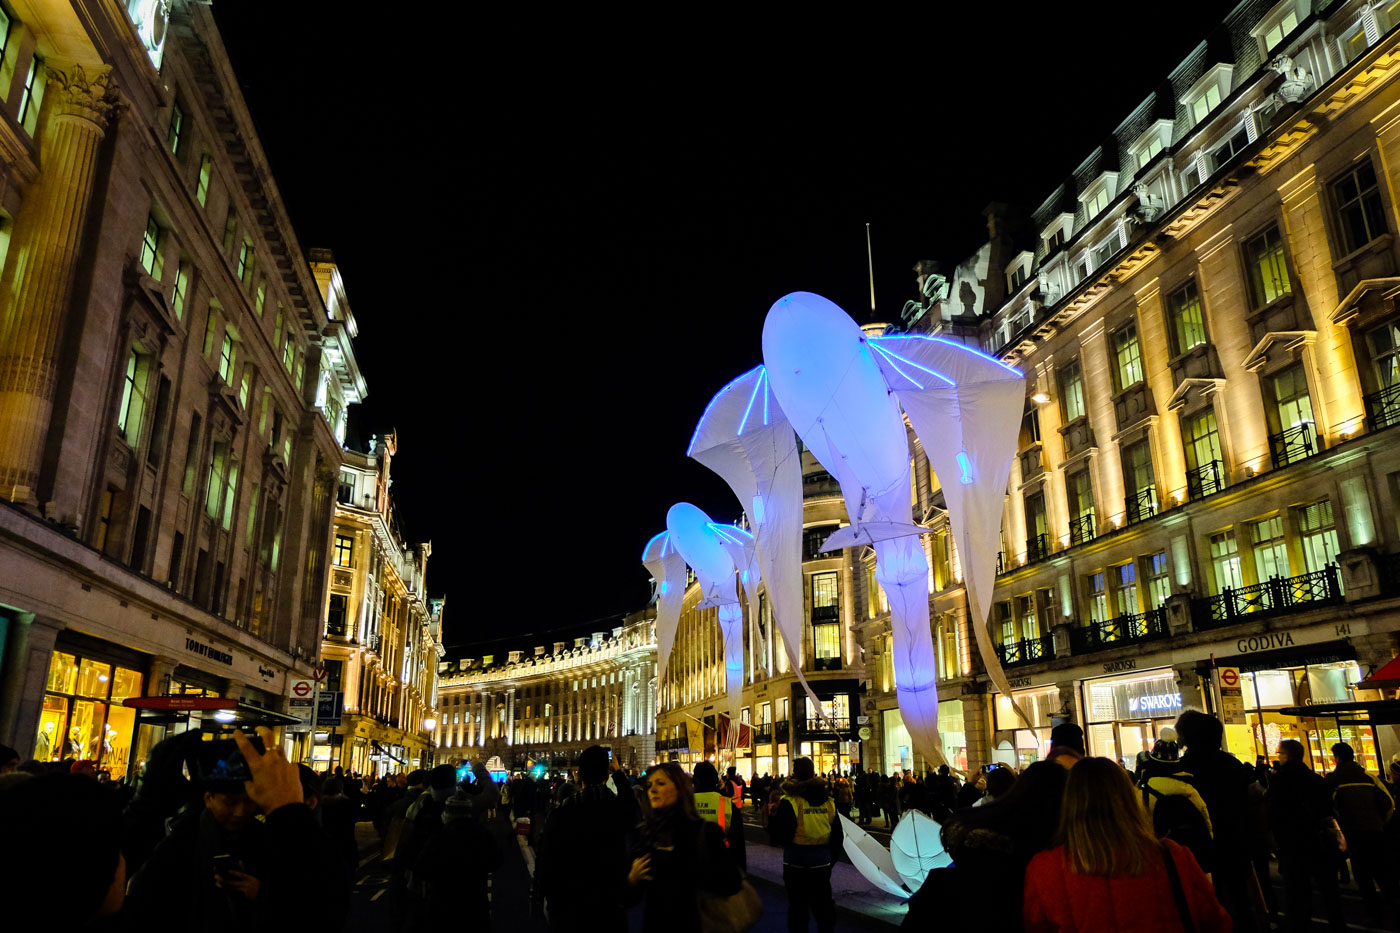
[219, 764]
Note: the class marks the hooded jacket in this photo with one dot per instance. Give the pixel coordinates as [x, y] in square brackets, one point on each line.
[1362, 804]
[782, 828]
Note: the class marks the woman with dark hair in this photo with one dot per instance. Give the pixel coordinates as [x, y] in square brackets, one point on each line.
[990, 844]
[1108, 871]
[680, 856]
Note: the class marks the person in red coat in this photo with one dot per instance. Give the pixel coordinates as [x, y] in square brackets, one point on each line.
[1107, 871]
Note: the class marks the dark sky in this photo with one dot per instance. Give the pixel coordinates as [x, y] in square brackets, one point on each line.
[560, 238]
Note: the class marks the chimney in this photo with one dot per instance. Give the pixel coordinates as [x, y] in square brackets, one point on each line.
[560, 647]
[617, 632]
[580, 642]
[539, 651]
[598, 638]
[513, 657]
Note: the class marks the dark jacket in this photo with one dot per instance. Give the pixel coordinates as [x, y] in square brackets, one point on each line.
[582, 863]
[1299, 806]
[782, 828]
[455, 864]
[687, 856]
[1363, 806]
[1223, 782]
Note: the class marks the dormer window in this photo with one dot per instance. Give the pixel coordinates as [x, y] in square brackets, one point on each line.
[1098, 195]
[1157, 138]
[1207, 93]
[1018, 271]
[1057, 232]
[1279, 24]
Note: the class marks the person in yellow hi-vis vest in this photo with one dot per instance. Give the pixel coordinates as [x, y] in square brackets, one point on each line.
[714, 807]
[805, 825]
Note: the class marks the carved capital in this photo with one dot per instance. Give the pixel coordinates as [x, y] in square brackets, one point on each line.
[93, 96]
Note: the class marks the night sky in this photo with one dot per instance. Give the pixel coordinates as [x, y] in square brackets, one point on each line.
[560, 237]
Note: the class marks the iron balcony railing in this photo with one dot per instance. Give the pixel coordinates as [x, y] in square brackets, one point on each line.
[1081, 529]
[1124, 630]
[763, 733]
[1142, 504]
[1026, 651]
[336, 629]
[1293, 444]
[1037, 547]
[1275, 596]
[373, 641]
[822, 614]
[1383, 407]
[1001, 562]
[820, 725]
[1205, 479]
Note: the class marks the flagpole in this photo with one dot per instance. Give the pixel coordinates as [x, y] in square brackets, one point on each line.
[870, 264]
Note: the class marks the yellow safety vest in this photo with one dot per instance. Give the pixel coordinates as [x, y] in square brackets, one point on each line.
[813, 820]
[714, 807]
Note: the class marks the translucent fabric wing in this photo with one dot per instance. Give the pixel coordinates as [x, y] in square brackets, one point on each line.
[870, 858]
[667, 568]
[966, 407]
[916, 848]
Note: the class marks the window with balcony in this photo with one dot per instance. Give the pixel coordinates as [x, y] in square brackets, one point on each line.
[1270, 549]
[1267, 264]
[1359, 211]
[1318, 534]
[1383, 405]
[1125, 589]
[826, 621]
[1295, 437]
[344, 552]
[150, 248]
[1139, 480]
[1186, 318]
[1071, 391]
[1030, 622]
[1080, 489]
[133, 403]
[1205, 465]
[1037, 527]
[1127, 357]
[1225, 562]
[1159, 584]
[1096, 601]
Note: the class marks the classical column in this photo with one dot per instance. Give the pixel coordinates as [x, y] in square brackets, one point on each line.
[35, 296]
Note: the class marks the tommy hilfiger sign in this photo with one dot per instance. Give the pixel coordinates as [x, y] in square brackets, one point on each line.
[209, 651]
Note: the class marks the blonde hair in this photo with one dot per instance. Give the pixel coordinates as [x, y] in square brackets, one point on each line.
[1103, 826]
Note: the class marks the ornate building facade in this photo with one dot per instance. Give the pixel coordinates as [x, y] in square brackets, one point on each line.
[1202, 512]
[545, 707]
[383, 635]
[173, 380]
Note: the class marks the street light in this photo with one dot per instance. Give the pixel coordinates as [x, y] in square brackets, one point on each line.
[430, 724]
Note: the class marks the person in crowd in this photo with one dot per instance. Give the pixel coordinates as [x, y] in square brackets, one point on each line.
[1174, 806]
[973, 790]
[396, 813]
[1066, 744]
[338, 820]
[455, 868]
[844, 795]
[1305, 838]
[1107, 870]
[888, 797]
[737, 786]
[944, 789]
[61, 820]
[1146, 756]
[587, 893]
[999, 784]
[990, 844]
[1363, 807]
[9, 759]
[714, 807]
[233, 872]
[1223, 782]
[806, 828]
[679, 856]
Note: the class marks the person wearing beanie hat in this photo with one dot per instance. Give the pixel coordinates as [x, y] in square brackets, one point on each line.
[1174, 805]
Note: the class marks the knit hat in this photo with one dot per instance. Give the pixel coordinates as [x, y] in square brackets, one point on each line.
[1168, 734]
[1164, 750]
[457, 807]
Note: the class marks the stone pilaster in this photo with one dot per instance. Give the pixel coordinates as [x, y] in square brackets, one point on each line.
[35, 296]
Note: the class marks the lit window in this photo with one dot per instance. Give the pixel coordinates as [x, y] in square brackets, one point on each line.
[1268, 267]
[218, 469]
[1270, 549]
[246, 385]
[201, 191]
[288, 351]
[1159, 585]
[230, 488]
[1225, 561]
[133, 403]
[230, 232]
[261, 297]
[1126, 594]
[104, 519]
[150, 248]
[4, 36]
[228, 352]
[245, 259]
[1204, 104]
[1188, 327]
[1359, 213]
[31, 96]
[182, 290]
[1275, 33]
[1318, 531]
[1071, 391]
[1146, 154]
[1128, 356]
[172, 136]
[1095, 206]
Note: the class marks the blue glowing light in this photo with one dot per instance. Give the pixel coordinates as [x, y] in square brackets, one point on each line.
[663, 587]
[758, 384]
[895, 366]
[966, 478]
[651, 541]
[757, 514]
[961, 346]
[744, 577]
[764, 377]
[892, 356]
[718, 395]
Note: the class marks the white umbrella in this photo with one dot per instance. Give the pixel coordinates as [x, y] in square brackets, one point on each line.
[917, 849]
[870, 858]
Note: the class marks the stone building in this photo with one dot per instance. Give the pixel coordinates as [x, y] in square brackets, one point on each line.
[544, 707]
[383, 636]
[1202, 512]
[173, 380]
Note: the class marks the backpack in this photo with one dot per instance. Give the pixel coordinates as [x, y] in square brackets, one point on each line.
[1175, 817]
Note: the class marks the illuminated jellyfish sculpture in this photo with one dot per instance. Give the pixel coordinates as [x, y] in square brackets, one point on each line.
[842, 392]
[716, 552]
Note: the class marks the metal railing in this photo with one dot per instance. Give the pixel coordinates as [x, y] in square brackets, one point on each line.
[372, 642]
[822, 614]
[335, 629]
[1026, 651]
[1275, 596]
[1383, 407]
[820, 725]
[1037, 547]
[1124, 630]
[1141, 504]
[1205, 479]
[1001, 562]
[1081, 529]
[1293, 444]
[763, 733]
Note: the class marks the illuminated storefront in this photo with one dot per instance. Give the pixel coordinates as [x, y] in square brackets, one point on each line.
[82, 715]
[898, 748]
[1126, 715]
[1026, 745]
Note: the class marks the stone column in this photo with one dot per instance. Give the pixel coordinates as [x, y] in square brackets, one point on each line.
[26, 671]
[35, 297]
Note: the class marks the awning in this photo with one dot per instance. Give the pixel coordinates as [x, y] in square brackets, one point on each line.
[1377, 712]
[211, 714]
[1386, 677]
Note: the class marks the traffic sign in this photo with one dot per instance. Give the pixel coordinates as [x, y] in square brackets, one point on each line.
[319, 673]
[328, 708]
[1229, 677]
[302, 689]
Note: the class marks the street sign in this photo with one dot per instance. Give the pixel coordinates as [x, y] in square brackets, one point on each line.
[329, 706]
[319, 673]
[1229, 677]
[862, 720]
[1231, 697]
[179, 702]
[302, 689]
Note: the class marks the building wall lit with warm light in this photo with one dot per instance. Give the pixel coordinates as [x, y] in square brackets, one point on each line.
[544, 706]
[383, 635]
[1206, 481]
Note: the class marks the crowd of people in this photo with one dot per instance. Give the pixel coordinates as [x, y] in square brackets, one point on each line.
[232, 834]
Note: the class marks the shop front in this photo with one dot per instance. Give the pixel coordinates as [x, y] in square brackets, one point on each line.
[1125, 715]
[1018, 746]
[82, 715]
[898, 747]
[1274, 687]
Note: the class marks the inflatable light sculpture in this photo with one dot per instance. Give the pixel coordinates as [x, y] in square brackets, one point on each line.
[842, 392]
[715, 552]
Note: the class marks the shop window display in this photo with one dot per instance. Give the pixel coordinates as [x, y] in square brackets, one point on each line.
[1263, 726]
[1037, 703]
[82, 715]
[1125, 715]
